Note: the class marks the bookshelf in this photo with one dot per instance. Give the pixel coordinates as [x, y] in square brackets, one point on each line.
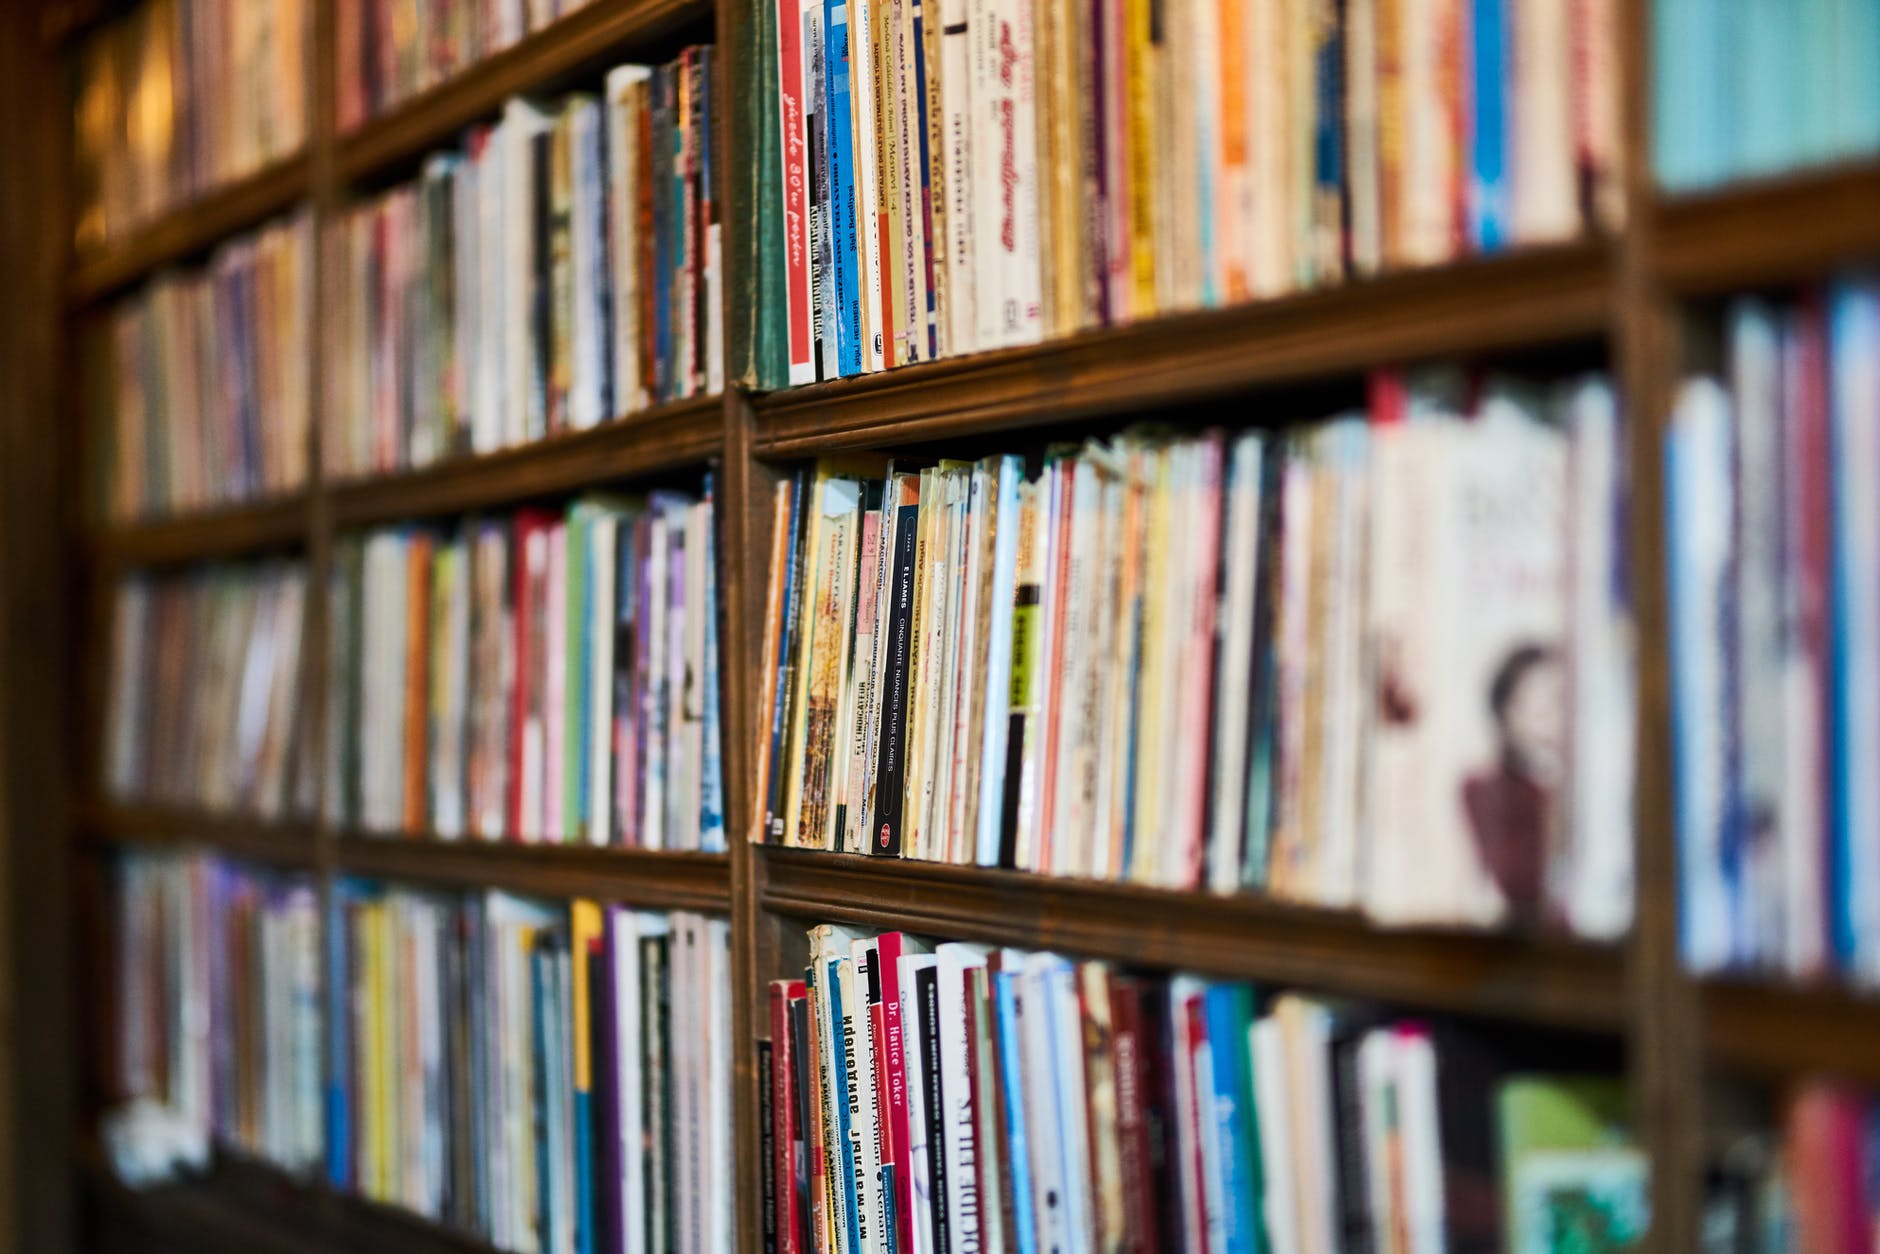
[1620, 297]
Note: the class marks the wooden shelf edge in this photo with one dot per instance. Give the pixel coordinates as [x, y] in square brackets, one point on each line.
[1780, 1029]
[191, 229]
[222, 532]
[663, 438]
[642, 877]
[256, 1208]
[584, 39]
[1526, 298]
[285, 843]
[1539, 979]
[1791, 228]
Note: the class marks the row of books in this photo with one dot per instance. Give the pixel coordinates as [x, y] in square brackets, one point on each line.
[177, 97]
[1744, 89]
[957, 1098]
[1775, 621]
[205, 707]
[1381, 661]
[1796, 1170]
[216, 988]
[201, 392]
[987, 173]
[560, 270]
[391, 50]
[547, 677]
[554, 1078]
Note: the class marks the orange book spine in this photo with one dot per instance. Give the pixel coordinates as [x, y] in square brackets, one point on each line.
[417, 687]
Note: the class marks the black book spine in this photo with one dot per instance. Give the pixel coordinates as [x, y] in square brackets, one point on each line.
[933, 1100]
[891, 763]
[801, 1060]
[766, 1113]
[541, 284]
[794, 589]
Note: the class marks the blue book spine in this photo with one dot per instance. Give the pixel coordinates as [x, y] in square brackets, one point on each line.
[339, 1066]
[1229, 1011]
[838, 118]
[1769, 138]
[1856, 75]
[1011, 1071]
[583, 1166]
[1854, 418]
[847, 1194]
[1697, 473]
[1671, 146]
[668, 227]
[1330, 220]
[1488, 189]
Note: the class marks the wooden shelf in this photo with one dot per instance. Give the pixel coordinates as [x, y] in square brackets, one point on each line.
[191, 229]
[663, 438]
[641, 877]
[1480, 305]
[1541, 980]
[223, 532]
[1792, 1030]
[249, 1207]
[286, 843]
[1788, 229]
[589, 39]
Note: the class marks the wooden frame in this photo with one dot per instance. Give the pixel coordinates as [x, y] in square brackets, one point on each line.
[1623, 293]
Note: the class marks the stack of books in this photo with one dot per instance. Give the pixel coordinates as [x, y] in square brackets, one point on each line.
[202, 392]
[217, 987]
[562, 269]
[550, 677]
[1383, 661]
[959, 1097]
[177, 97]
[391, 50]
[207, 705]
[1741, 89]
[964, 175]
[549, 1077]
[1773, 536]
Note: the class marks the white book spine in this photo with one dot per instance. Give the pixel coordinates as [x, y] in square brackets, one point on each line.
[957, 101]
[862, 16]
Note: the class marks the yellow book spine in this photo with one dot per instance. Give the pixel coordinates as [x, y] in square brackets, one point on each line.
[1139, 75]
[584, 923]
[887, 140]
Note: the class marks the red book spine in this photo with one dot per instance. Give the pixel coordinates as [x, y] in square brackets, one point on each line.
[1132, 1117]
[1195, 1031]
[531, 553]
[783, 1114]
[891, 1060]
[795, 187]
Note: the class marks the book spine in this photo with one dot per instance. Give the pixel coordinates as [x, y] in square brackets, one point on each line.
[793, 150]
[891, 763]
[839, 58]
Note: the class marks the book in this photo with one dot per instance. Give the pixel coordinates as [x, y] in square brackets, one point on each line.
[1214, 661]
[549, 677]
[1041, 167]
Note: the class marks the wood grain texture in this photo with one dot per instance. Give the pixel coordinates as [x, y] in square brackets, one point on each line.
[1542, 296]
[190, 230]
[1788, 229]
[665, 438]
[227, 532]
[657, 879]
[589, 39]
[282, 843]
[1529, 978]
[1789, 1031]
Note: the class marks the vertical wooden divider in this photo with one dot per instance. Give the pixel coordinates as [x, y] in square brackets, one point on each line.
[1664, 1048]
[316, 656]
